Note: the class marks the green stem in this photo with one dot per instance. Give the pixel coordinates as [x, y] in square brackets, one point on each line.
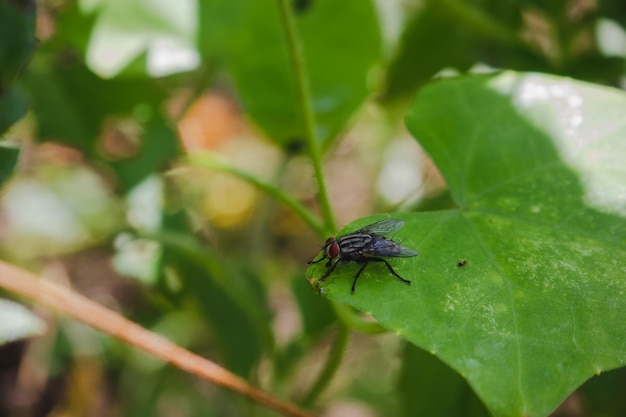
[264, 210]
[213, 162]
[334, 359]
[299, 70]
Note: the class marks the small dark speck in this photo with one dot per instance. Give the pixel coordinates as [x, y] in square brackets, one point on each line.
[295, 145]
[301, 6]
[462, 262]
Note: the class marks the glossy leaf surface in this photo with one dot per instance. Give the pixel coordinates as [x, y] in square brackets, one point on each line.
[535, 165]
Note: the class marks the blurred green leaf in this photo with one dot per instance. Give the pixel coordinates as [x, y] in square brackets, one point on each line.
[8, 161]
[317, 314]
[17, 38]
[602, 395]
[317, 317]
[540, 35]
[74, 26]
[71, 103]
[613, 9]
[429, 43]
[17, 42]
[427, 387]
[13, 107]
[237, 333]
[337, 63]
[18, 322]
[232, 301]
[535, 164]
[217, 19]
[456, 34]
[159, 145]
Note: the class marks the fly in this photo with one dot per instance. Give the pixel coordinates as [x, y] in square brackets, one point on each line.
[363, 246]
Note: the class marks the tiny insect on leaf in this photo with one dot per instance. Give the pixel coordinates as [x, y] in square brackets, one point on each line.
[368, 244]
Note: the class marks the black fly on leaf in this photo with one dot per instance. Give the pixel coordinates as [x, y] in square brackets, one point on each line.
[363, 246]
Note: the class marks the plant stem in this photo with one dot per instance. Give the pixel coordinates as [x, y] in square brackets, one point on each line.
[99, 317]
[296, 56]
[214, 162]
[302, 84]
[332, 363]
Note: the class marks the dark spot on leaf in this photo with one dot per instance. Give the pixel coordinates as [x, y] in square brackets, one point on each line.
[461, 263]
[295, 146]
[301, 6]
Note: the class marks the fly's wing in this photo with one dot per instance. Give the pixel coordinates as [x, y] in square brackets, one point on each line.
[381, 228]
[386, 247]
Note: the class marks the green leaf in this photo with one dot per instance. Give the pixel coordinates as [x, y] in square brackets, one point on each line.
[18, 322]
[336, 61]
[231, 300]
[17, 42]
[535, 165]
[456, 34]
[8, 161]
[316, 313]
[431, 41]
[17, 38]
[12, 107]
[159, 145]
[71, 103]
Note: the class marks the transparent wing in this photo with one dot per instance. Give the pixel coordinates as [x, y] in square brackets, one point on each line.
[381, 228]
[387, 247]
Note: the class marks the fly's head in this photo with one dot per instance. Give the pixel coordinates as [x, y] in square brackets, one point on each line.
[331, 249]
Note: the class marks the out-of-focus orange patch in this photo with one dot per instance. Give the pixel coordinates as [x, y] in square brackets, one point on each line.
[51, 152]
[208, 122]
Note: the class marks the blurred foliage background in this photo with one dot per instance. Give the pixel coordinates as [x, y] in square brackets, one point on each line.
[119, 91]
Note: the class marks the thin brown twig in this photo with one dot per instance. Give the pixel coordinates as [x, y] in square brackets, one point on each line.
[82, 309]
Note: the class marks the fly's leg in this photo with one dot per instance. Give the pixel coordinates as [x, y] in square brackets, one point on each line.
[314, 262]
[389, 268]
[356, 277]
[331, 269]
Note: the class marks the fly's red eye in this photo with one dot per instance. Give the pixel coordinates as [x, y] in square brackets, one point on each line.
[333, 250]
[330, 239]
